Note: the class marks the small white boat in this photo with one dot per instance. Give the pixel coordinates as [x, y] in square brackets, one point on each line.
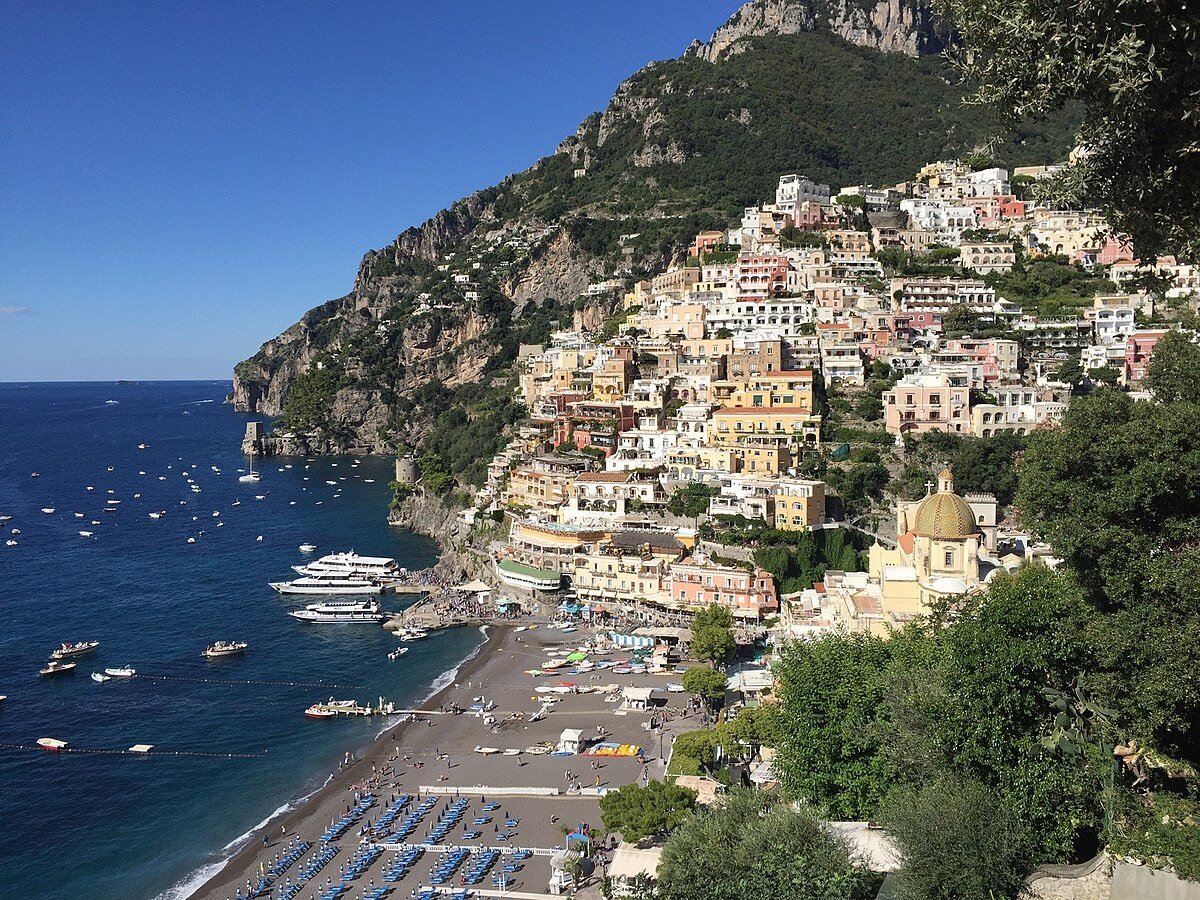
[51, 744]
[397, 653]
[47, 509]
[10, 543]
[54, 667]
[307, 548]
[79, 515]
[487, 751]
[141, 446]
[156, 515]
[100, 677]
[191, 540]
[121, 672]
[86, 533]
[224, 648]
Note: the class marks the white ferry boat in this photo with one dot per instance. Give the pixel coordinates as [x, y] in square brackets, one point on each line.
[328, 584]
[350, 564]
[340, 611]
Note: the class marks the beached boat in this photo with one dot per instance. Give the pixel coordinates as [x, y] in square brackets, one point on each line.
[224, 648]
[336, 611]
[54, 667]
[121, 672]
[100, 677]
[51, 744]
[487, 751]
[70, 651]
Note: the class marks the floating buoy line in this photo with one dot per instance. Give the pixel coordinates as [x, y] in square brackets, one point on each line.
[199, 680]
[148, 752]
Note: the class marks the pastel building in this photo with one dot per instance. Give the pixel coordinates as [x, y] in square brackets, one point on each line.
[921, 403]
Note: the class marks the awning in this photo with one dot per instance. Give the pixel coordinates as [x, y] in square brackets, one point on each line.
[474, 587]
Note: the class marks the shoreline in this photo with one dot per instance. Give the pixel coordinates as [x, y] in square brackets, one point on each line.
[291, 817]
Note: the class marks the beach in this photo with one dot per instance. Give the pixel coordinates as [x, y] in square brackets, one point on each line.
[435, 755]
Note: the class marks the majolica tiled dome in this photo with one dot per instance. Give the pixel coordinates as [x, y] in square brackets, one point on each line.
[944, 514]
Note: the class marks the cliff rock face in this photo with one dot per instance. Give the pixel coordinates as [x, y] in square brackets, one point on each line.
[894, 26]
[431, 516]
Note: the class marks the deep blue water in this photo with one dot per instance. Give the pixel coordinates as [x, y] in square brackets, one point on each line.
[117, 826]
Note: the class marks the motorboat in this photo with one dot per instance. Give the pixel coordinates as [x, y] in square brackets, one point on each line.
[51, 744]
[54, 667]
[47, 509]
[70, 651]
[328, 584]
[100, 677]
[224, 648]
[397, 653]
[86, 533]
[340, 611]
[121, 672]
[318, 711]
[307, 548]
[412, 634]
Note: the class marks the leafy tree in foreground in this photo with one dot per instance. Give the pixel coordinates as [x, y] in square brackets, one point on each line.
[1175, 369]
[642, 812]
[957, 839]
[708, 684]
[1135, 68]
[712, 635]
[753, 845]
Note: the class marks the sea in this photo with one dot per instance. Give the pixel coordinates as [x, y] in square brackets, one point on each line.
[231, 745]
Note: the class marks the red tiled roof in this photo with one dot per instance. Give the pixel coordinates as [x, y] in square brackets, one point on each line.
[906, 542]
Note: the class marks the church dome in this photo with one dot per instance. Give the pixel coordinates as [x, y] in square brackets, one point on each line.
[944, 515]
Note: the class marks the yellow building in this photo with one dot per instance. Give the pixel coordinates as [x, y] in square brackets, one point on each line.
[763, 458]
[799, 504]
[779, 424]
[549, 546]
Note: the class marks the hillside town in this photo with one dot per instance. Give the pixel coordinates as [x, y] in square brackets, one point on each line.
[701, 409]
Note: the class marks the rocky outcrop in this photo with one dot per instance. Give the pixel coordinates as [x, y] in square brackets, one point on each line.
[424, 513]
[894, 26]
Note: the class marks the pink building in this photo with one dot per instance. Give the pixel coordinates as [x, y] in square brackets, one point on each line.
[759, 275]
[922, 403]
[1139, 347]
[750, 595]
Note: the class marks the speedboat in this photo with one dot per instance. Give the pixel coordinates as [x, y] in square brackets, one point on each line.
[319, 711]
[54, 667]
[307, 548]
[121, 672]
[397, 653]
[328, 584]
[86, 533]
[47, 509]
[412, 634]
[224, 648]
[51, 744]
[69, 651]
[340, 611]
[100, 677]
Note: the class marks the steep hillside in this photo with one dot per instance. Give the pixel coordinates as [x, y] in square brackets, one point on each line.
[421, 350]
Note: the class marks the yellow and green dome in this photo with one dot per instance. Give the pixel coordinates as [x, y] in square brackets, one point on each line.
[944, 515]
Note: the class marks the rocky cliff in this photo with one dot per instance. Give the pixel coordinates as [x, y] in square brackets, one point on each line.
[892, 26]
[464, 552]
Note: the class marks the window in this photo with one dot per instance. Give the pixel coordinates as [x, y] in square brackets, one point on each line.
[949, 558]
[935, 399]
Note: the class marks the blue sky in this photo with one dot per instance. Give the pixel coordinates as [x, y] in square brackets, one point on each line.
[180, 182]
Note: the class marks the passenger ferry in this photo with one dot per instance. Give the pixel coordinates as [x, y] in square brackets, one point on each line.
[350, 564]
[340, 611]
[328, 584]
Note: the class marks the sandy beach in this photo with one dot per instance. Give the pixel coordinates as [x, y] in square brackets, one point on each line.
[436, 755]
